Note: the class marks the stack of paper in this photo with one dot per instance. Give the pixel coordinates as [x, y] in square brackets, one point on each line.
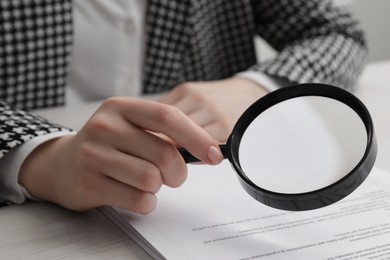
[211, 217]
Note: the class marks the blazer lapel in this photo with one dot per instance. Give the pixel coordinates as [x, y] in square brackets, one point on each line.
[194, 40]
[166, 37]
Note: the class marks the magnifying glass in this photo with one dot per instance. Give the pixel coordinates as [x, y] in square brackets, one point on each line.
[301, 147]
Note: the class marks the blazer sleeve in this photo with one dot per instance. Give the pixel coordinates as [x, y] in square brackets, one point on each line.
[19, 126]
[315, 41]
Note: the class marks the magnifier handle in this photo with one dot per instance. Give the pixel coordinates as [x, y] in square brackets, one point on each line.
[189, 158]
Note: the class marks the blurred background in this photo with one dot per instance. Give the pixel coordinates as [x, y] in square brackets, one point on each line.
[375, 18]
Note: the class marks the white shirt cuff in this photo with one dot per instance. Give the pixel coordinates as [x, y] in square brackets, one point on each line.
[10, 189]
[267, 82]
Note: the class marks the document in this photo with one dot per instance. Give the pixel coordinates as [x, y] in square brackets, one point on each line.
[212, 217]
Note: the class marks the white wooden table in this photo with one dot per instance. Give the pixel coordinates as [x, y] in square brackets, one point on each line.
[41, 230]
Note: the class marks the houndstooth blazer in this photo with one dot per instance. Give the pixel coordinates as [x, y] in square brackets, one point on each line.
[187, 40]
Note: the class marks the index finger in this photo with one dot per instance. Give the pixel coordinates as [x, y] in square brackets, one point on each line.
[175, 124]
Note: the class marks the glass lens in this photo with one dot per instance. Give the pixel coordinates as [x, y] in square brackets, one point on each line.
[302, 144]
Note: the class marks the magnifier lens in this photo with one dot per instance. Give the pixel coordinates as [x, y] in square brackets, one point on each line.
[302, 144]
[301, 147]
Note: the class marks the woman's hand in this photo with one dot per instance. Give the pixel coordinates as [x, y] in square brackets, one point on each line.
[115, 159]
[216, 105]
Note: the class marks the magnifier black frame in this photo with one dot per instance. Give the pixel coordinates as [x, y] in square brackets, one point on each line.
[313, 199]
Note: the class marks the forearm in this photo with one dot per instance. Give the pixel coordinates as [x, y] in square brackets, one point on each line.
[20, 133]
[10, 188]
[316, 42]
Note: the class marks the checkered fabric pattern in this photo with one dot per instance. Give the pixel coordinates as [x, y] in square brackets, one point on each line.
[18, 126]
[187, 40]
[316, 42]
[35, 48]
[197, 40]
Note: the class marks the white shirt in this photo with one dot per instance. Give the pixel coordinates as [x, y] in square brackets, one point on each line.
[107, 61]
[112, 67]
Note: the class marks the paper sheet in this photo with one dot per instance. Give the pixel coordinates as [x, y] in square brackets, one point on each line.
[211, 217]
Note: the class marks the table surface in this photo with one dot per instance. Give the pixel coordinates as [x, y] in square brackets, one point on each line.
[39, 230]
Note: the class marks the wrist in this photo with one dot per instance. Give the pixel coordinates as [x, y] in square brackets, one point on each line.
[250, 86]
[267, 82]
[39, 171]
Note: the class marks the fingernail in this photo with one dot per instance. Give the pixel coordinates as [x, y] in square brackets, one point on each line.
[214, 155]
